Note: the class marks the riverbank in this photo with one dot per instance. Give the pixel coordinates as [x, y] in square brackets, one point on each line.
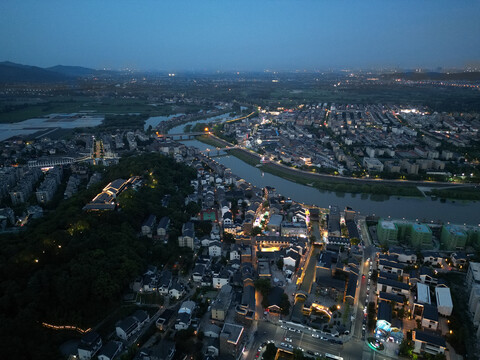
[311, 179]
[341, 184]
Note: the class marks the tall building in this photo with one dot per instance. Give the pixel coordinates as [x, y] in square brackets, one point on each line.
[231, 340]
[473, 275]
[387, 232]
[453, 237]
[421, 236]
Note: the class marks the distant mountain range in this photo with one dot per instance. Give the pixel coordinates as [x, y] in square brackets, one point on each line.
[14, 73]
[419, 76]
[17, 73]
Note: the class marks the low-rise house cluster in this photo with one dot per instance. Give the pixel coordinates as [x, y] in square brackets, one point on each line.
[400, 286]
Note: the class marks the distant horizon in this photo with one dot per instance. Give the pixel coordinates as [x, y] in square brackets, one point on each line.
[209, 36]
[379, 69]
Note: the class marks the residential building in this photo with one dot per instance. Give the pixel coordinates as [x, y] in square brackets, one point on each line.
[473, 275]
[421, 236]
[222, 303]
[164, 319]
[403, 255]
[163, 351]
[110, 350]
[294, 229]
[187, 239]
[428, 342]
[274, 223]
[444, 301]
[453, 237]
[398, 300]
[176, 290]
[215, 249]
[127, 327]
[474, 304]
[387, 232]
[183, 321]
[372, 164]
[391, 267]
[231, 340]
[163, 226]
[221, 279]
[148, 225]
[275, 300]
[333, 222]
[212, 331]
[427, 276]
[430, 317]
[187, 307]
[392, 286]
[432, 257]
[89, 345]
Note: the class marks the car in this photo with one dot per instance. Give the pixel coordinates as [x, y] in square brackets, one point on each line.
[315, 336]
[291, 329]
[317, 353]
[364, 327]
[346, 332]
[283, 344]
[288, 340]
[259, 349]
[323, 338]
[283, 327]
[299, 331]
[257, 354]
[290, 346]
[363, 276]
[310, 352]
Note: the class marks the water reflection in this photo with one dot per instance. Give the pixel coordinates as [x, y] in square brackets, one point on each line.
[382, 205]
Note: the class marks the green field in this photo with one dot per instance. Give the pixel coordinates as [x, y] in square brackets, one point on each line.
[72, 105]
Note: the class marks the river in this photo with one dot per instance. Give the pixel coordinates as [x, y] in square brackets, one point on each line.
[396, 207]
[219, 118]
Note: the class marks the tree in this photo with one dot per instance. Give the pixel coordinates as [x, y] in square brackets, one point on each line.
[270, 352]
[256, 231]
[264, 286]
[298, 354]
[372, 313]
[229, 238]
[280, 264]
[354, 241]
[193, 208]
[285, 304]
[406, 348]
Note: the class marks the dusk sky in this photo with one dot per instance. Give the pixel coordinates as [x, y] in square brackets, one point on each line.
[240, 34]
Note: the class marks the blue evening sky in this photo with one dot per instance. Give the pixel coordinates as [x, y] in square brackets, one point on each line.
[240, 34]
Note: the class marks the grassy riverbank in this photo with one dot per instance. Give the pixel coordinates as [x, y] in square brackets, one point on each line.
[335, 184]
[457, 194]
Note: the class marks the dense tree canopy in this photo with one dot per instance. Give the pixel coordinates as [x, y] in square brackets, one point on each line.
[72, 267]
